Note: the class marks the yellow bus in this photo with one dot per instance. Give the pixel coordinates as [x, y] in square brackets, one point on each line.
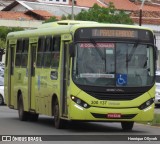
[82, 71]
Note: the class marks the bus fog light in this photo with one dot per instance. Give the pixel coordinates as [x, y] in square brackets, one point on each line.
[85, 105]
[80, 102]
[148, 103]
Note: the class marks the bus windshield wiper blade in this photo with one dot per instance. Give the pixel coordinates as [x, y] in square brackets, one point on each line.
[132, 52]
[98, 50]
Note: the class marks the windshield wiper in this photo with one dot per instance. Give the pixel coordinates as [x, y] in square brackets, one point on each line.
[132, 52]
[97, 49]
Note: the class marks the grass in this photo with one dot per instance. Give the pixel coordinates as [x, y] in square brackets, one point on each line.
[156, 120]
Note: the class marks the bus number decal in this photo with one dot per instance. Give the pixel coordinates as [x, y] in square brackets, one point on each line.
[104, 102]
[94, 102]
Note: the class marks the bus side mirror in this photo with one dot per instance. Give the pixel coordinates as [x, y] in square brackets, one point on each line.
[72, 49]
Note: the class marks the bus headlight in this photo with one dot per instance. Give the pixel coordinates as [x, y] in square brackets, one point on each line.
[146, 104]
[80, 102]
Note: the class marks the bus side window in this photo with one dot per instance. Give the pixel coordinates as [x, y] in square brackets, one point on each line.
[47, 52]
[41, 45]
[25, 53]
[18, 52]
[55, 52]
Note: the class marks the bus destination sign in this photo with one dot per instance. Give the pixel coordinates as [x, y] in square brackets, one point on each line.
[114, 33]
[110, 33]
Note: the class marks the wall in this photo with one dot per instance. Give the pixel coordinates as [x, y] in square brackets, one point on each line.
[20, 23]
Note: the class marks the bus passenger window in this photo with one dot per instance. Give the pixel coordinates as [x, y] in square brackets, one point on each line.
[25, 53]
[18, 52]
[55, 52]
[41, 45]
[47, 53]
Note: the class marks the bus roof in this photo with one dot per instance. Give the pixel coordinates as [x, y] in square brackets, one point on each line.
[66, 26]
[65, 22]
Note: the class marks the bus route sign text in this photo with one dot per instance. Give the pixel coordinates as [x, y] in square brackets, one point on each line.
[114, 33]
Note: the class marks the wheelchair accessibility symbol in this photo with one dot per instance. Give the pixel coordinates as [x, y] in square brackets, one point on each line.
[121, 79]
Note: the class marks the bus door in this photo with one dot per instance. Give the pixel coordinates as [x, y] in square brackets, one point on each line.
[11, 56]
[65, 77]
[31, 77]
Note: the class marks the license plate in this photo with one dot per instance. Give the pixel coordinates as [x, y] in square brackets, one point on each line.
[114, 115]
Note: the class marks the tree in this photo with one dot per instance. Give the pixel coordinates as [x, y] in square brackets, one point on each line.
[5, 30]
[99, 14]
[104, 15]
[2, 44]
[69, 17]
[2, 49]
[3, 34]
[51, 19]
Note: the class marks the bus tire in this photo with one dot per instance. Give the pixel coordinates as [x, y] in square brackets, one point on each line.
[58, 122]
[33, 117]
[127, 126]
[1, 100]
[23, 116]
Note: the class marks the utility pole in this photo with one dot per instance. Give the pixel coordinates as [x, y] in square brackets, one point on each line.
[72, 10]
[140, 13]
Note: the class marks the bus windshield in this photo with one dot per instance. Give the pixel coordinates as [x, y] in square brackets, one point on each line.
[113, 64]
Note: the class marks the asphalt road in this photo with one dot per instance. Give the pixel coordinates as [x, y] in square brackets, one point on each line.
[10, 125]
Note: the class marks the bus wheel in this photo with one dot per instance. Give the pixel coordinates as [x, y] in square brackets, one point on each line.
[58, 122]
[1, 100]
[23, 116]
[127, 126]
[33, 117]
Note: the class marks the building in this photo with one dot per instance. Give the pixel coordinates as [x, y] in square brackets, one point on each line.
[4, 3]
[27, 19]
[53, 8]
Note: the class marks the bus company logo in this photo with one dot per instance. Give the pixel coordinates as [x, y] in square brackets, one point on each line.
[6, 138]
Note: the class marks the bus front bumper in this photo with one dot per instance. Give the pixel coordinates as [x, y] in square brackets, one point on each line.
[77, 112]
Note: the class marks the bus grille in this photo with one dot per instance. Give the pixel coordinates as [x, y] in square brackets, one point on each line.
[113, 96]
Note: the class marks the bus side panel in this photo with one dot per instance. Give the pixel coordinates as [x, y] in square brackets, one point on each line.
[33, 99]
[43, 90]
[40, 91]
[21, 84]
